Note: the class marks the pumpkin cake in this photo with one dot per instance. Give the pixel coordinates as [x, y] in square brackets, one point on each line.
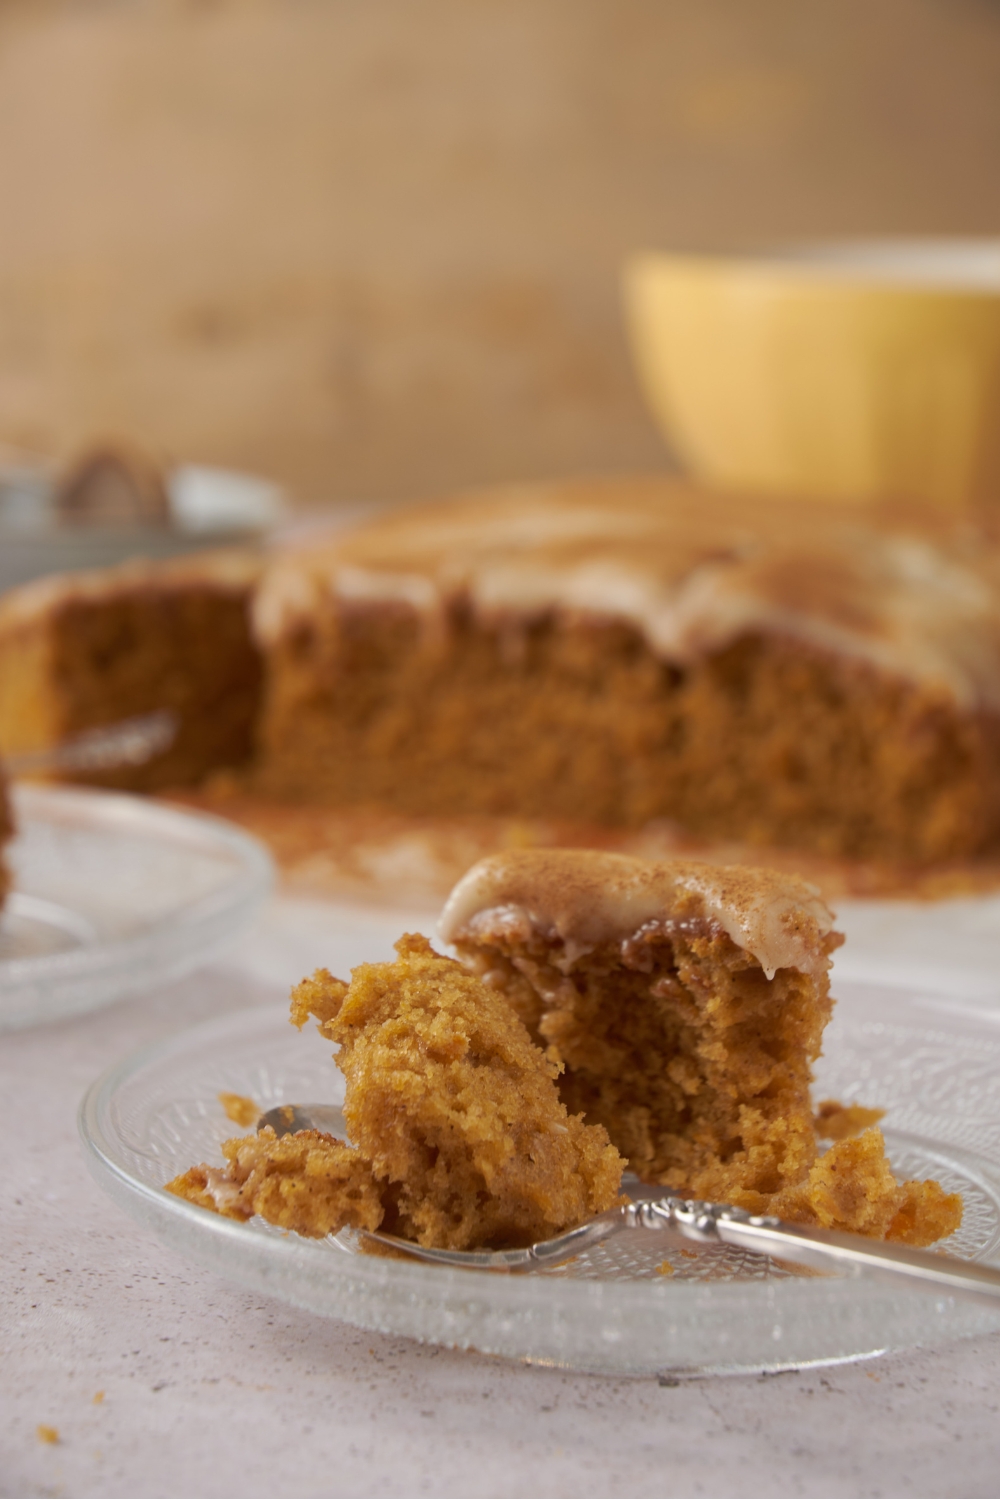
[620, 651]
[680, 1007]
[84, 650]
[686, 1003]
[459, 1137]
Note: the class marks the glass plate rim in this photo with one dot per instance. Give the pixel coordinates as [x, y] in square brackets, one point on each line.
[250, 882]
[123, 808]
[780, 1298]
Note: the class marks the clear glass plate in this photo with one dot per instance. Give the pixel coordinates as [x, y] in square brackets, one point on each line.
[641, 1304]
[114, 894]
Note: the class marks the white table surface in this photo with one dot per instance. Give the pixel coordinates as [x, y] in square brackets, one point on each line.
[208, 1390]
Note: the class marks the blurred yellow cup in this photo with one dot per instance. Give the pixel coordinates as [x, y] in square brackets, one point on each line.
[860, 371]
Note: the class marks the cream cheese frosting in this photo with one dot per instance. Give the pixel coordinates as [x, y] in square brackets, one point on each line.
[589, 897]
[228, 570]
[691, 570]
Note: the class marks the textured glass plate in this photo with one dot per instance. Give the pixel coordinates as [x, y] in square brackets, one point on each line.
[639, 1305]
[114, 894]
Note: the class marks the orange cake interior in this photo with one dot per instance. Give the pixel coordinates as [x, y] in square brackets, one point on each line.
[83, 650]
[620, 651]
[687, 1004]
[603, 1010]
[458, 1135]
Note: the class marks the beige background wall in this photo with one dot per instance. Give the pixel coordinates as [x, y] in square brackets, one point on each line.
[371, 246]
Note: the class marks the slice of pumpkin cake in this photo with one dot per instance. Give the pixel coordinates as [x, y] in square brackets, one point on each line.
[686, 1003]
[458, 1135]
[620, 650]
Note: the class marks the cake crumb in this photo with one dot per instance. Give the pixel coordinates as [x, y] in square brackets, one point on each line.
[240, 1108]
[47, 1434]
[98, 1398]
[459, 1136]
[838, 1122]
[665, 1268]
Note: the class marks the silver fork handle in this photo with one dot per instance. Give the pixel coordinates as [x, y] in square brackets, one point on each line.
[130, 742]
[821, 1249]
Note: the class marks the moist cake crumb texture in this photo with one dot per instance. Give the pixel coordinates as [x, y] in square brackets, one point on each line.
[240, 1109]
[308, 1182]
[649, 981]
[459, 1136]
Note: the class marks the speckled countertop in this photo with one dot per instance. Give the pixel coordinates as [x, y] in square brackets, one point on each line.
[160, 1379]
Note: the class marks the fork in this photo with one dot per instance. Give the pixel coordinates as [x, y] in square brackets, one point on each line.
[130, 742]
[695, 1220]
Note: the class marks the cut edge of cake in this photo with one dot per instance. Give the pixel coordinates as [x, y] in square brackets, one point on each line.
[458, 1137]
[687, 1004]
[627, 650]
[88, 649]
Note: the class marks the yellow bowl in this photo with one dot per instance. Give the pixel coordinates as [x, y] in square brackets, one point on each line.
[861, 371]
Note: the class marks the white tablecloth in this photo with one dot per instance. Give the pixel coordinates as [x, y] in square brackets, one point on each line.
[162, 1380]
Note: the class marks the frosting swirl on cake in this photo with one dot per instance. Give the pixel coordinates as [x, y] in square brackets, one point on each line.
[692, 571]
[589, 897]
